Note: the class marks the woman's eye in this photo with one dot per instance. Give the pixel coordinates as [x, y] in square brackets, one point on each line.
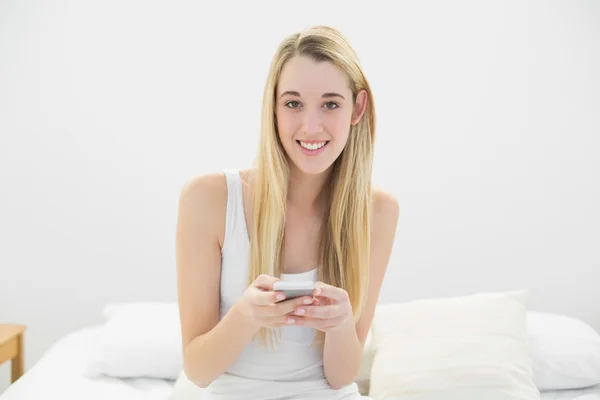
[330, 105]
[290, 102]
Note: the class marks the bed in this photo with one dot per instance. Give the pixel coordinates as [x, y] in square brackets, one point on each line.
[591, 393]
[58, 375]
[61, 372]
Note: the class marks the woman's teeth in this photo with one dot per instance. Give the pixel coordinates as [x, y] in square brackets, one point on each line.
[312, 146]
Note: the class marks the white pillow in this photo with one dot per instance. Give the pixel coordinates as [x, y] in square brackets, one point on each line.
[565, 351]
[138, 340]
[469, 347]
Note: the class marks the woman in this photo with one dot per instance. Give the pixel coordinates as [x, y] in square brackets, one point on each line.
[306, 211]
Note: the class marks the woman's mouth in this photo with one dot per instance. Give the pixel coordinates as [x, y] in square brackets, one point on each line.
[312, 148]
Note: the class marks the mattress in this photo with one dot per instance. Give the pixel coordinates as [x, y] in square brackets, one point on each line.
[58, 375]
[591, 393]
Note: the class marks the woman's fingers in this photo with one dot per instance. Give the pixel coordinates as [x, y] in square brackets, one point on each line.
[320, 312]
[289, 306]
[331, 292]
[266, 309]
[265, 282]
[265, 298]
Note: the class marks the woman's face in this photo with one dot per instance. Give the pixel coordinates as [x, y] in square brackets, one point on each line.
[314, 111]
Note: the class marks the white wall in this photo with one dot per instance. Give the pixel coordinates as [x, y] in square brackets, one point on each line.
[488, 123]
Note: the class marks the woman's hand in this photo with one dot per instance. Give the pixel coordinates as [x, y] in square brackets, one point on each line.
[330, 310]
[265, 308]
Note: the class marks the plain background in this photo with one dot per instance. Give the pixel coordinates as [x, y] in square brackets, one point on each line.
[488, 134]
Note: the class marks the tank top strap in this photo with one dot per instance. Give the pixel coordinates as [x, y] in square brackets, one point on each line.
[235, 219]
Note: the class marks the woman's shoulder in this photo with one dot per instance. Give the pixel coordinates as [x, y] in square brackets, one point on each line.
[384, 210]
[212, 186]
[204, 198]
[383, 199]
[203, 202]
[207, 185]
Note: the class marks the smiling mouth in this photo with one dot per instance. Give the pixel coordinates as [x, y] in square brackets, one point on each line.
[312, 146]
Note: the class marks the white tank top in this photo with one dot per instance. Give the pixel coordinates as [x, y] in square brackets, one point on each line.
[293, 363]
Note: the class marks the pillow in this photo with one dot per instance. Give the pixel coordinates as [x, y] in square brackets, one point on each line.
[110, 309]
[565, 352]
[138, 340]
[469, 347]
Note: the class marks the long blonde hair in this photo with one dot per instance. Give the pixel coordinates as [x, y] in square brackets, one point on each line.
[345, 237]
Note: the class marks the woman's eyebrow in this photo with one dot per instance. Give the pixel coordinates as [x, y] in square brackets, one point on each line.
[325, 95]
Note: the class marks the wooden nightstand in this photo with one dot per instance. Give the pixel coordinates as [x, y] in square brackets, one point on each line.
[11, 348]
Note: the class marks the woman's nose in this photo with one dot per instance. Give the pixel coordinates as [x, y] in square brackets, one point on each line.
[312, 122]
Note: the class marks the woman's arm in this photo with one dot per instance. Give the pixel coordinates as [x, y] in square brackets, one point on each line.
[343, 351]
[209, 355]
[209, 347]
[342, 355]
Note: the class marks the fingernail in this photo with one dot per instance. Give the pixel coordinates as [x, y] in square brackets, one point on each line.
[307, 301]
[280, 297]
[300, 311]
[291, 320]
[317, 291]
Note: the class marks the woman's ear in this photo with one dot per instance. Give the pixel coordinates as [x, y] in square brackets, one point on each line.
[360, 106]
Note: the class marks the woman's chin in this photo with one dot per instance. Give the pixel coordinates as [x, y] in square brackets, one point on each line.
[313, 168]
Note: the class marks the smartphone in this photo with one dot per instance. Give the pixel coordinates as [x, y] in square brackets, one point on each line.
[293, 289]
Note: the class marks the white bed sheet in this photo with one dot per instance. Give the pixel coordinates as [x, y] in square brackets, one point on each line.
[591, 393]
[58, 376]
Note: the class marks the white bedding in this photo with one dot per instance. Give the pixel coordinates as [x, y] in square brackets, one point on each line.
[58, 376]
[592, 393]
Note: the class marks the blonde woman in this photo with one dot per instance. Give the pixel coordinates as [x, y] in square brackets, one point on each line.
[305, 211]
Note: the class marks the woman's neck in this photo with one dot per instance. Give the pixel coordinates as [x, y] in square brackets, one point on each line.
[306, 192]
